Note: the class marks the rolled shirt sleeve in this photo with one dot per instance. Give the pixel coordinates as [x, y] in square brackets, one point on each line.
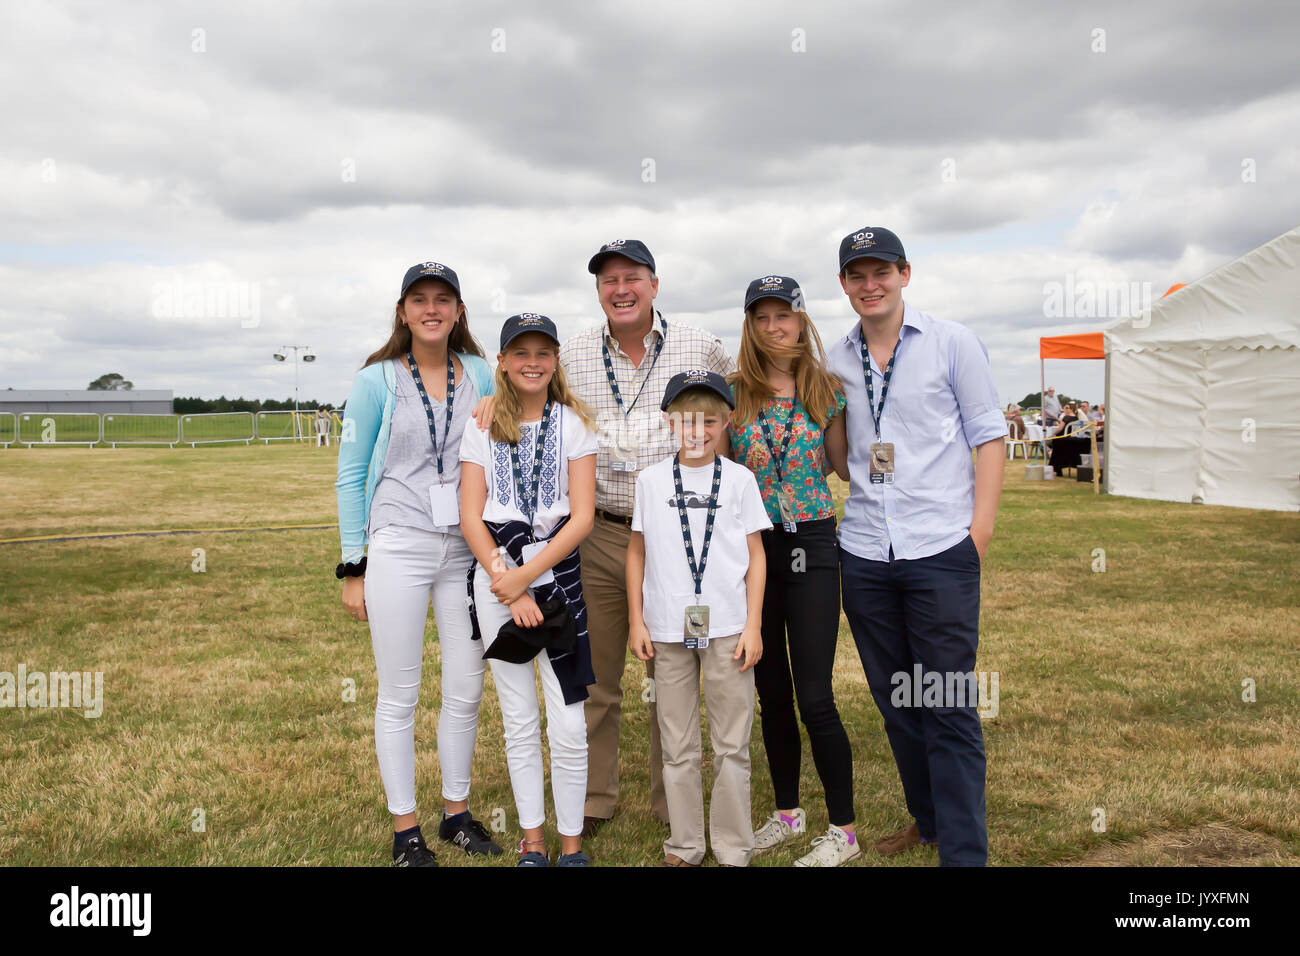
[977, 395]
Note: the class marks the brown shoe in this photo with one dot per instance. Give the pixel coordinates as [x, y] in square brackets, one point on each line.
[902, 841]
[671, 859]
[591, 824]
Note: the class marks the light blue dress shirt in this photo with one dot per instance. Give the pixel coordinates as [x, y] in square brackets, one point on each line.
[941, 403]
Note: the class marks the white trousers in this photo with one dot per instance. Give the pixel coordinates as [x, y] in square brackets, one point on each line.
[404, 567]
[566, 727]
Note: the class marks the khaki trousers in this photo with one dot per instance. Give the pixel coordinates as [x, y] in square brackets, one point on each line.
[604, 587]
[729, 703]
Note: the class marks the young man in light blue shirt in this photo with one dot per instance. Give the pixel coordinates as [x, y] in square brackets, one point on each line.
[916, 528]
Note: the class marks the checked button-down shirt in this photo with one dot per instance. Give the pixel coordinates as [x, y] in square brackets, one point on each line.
[684, 348]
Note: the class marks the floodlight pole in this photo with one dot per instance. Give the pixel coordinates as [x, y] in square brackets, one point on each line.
[295, 348]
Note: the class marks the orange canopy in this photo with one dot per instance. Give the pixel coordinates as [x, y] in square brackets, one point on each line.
[1085, 345]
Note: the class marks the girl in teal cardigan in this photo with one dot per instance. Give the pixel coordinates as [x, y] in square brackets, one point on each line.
[399, 528]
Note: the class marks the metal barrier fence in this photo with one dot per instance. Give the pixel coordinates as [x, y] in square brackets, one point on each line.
[210, 428]
[277, 426]
[124, 428]
[59, 428]
[128, 428]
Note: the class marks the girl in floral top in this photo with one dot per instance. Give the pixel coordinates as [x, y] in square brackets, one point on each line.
[788, 429]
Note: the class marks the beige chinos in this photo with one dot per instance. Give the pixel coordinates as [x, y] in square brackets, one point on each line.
[729, 703]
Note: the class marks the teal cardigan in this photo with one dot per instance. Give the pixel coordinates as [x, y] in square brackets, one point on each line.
[363, 448]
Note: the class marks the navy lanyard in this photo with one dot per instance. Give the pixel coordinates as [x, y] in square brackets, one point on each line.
[697, 571]
[528, 496]
[428, 407]
[876, 414]
[779, 461]
[609, 369]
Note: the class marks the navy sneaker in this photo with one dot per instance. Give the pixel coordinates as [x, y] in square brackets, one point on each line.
[533, 857]
[573, 859]
[464, 831]
[415, 853]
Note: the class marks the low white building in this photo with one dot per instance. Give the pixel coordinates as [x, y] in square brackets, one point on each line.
[151, 401]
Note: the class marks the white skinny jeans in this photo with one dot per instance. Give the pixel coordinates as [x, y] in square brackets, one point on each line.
[404, 566]
[566, 727]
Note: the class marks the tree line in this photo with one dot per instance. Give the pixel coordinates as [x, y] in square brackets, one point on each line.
[198, 406]
[114, 382]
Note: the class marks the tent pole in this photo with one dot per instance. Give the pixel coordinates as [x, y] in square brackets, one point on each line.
[1042, 401]
[1103, 419]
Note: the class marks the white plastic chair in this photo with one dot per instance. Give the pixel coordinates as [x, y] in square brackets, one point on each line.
[1014, 443]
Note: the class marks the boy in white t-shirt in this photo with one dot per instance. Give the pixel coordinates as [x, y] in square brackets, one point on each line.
[695, 577]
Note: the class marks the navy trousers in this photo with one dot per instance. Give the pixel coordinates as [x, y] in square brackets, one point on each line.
[926, 611]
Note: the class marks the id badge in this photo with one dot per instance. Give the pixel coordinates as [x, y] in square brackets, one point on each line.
[697, 627]
[444, 504]
[881, 468]
[531, 551]
[622, 456]
[785, 501]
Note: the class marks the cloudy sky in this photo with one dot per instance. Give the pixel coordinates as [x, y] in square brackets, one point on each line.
[189, 186]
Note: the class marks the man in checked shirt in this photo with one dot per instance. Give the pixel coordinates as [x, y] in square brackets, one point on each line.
[620, 368]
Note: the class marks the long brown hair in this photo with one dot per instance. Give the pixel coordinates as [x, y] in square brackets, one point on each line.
[399, 341]
[816, 387]
[505, 415]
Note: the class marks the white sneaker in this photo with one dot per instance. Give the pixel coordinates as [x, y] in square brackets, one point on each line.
[776, 831]
[831, 850]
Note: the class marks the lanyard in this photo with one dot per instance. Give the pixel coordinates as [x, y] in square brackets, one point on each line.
[884, 386]
[528, 497]
[697, 571]
[609, 369]
[428, 407]
[778, 461]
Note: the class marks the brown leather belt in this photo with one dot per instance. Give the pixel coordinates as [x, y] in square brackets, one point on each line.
[618, 519]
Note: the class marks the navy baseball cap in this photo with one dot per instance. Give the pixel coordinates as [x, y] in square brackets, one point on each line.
[633, 249]
[429, 270]
[775, 287]
[524, 323]
[870, 242]
[697, 378]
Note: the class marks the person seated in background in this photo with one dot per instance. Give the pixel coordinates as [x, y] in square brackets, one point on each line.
[1016, 426]
[1068, 414]
[1085, 412]
[1098, 414]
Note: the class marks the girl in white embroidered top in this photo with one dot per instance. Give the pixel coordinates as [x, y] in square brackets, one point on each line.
[528, 493]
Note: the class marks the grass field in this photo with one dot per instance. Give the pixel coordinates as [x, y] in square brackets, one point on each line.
[1119, 691]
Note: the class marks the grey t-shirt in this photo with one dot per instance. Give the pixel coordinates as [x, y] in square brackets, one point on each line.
[402, 495]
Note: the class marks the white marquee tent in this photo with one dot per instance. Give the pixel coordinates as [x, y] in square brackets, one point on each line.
[1203, 403]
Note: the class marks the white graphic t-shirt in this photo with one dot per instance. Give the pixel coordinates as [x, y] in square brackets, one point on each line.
[669, 586]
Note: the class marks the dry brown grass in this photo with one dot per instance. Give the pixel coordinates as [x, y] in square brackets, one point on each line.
[1119, 691]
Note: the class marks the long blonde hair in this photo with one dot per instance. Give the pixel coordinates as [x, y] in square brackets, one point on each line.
[817, 388]
[505, 416]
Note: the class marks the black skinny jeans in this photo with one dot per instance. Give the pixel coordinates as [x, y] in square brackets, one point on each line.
[802, 599]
